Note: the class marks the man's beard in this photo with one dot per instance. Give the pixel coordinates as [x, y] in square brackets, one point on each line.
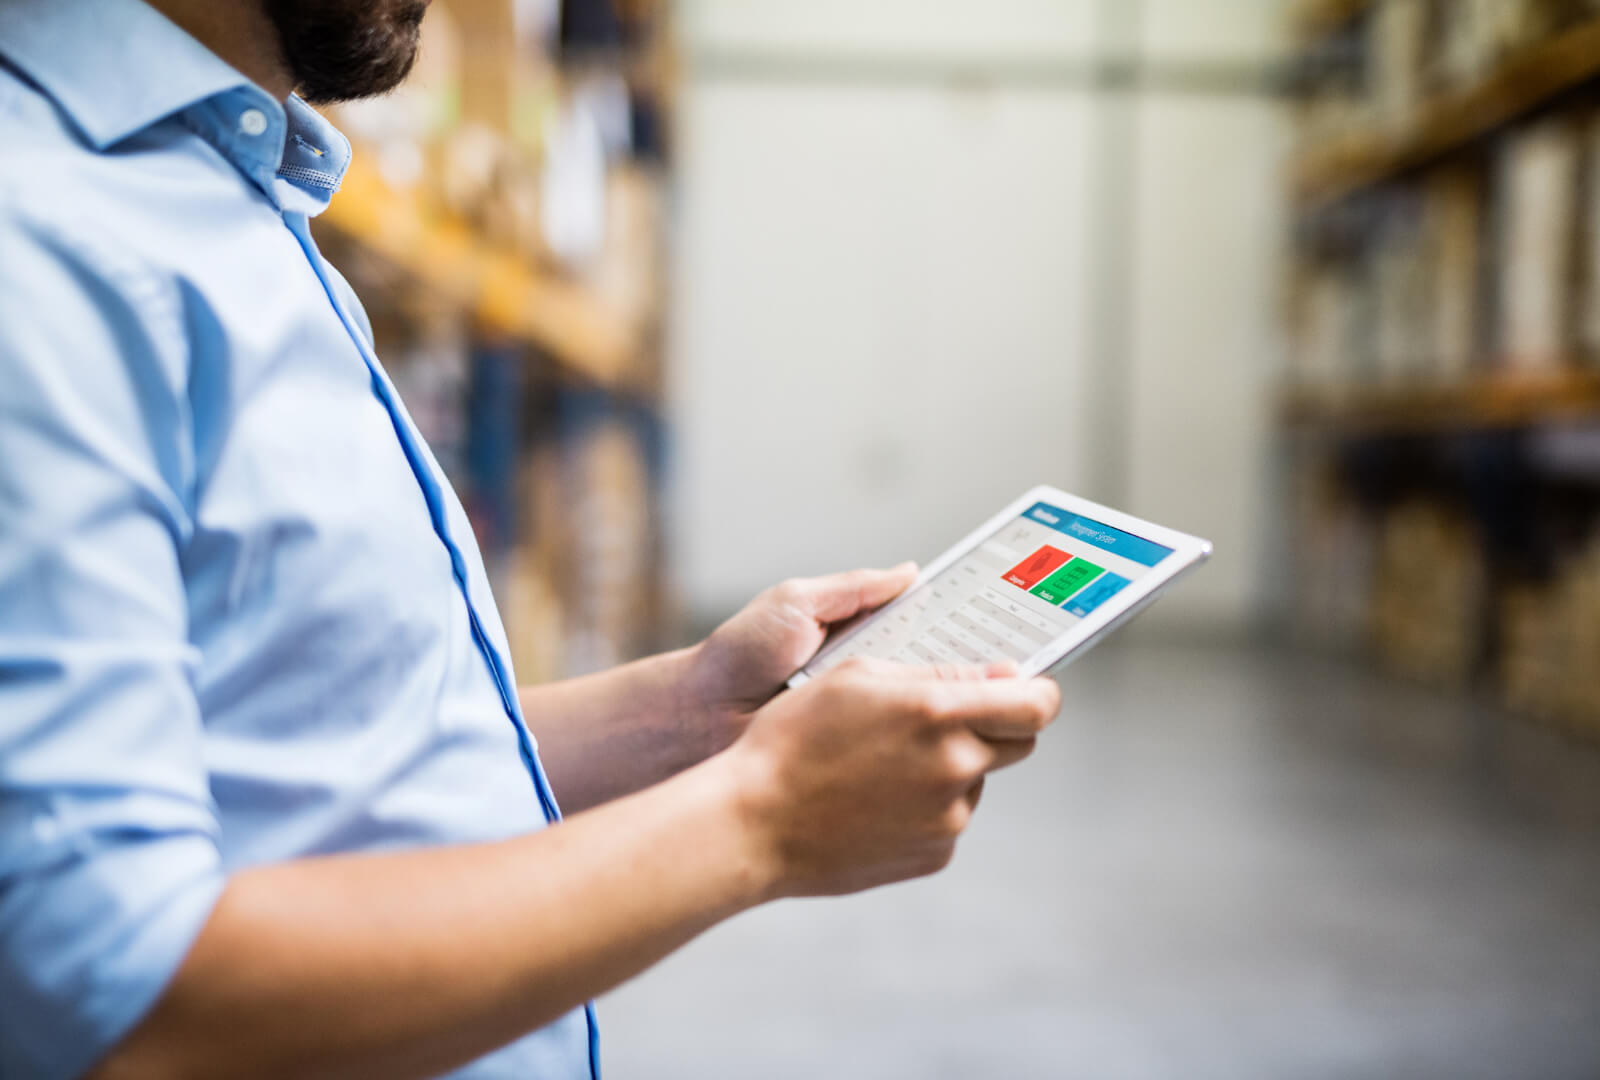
[338, 50]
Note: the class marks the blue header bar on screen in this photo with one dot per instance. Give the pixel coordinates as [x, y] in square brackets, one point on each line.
[1098, 534]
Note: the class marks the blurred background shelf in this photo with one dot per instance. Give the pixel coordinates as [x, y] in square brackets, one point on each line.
[510, 297]
[1523, 82]
[1444, 315]
[1482, 403]
[503, 221]
[1310, 19]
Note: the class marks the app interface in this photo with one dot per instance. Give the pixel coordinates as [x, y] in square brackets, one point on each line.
[1008, 597]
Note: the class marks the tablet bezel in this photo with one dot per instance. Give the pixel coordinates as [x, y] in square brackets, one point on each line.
[1187, 553]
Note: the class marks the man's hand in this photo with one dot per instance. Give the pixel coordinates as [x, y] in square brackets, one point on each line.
[606, 735]
[870, 773]
[747, 659]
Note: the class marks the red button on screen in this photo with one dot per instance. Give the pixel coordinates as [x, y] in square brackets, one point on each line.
[1032, 570]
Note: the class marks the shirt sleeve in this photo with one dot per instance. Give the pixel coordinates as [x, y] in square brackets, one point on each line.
[109, 859]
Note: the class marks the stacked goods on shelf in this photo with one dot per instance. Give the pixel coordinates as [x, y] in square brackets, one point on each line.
[530, 594]
[1326, 322]
[1411, 582]
[583, 586]
[494, 446]
[1334, 545]
[1537, 294]
[1428, 595]
[611, 538]
[1333, 110]
[1552, 634]
[1588, 242]
[1454, 257]
[1399, 278]
[1420, 269]
[503, 222]
[1403, 304]
[590, 561]
[1400, 61]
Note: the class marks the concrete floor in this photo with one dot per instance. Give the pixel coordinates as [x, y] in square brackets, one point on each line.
[1222, 863]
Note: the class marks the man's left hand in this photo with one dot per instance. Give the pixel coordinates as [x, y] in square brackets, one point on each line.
[747, 659]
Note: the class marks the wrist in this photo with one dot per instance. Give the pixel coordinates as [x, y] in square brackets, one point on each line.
[742, 786]
[712, 722]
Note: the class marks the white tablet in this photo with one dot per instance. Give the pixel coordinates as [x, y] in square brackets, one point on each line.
[1038, 583]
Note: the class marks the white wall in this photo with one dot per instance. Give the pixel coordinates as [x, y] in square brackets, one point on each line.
[1211, 226]
[1204, 340]
[882, 323]
[1005, 29]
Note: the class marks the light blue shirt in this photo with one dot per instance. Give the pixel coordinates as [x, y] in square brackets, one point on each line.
[242, 615]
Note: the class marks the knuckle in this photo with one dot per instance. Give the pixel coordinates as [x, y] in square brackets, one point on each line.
[855, 666]
[955, 819]
[933, 704]
[958, 766]
[841, 690]
[788, 592]
[856, 675]
[916, 703]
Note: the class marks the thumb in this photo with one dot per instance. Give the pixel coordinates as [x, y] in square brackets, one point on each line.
[839, 596]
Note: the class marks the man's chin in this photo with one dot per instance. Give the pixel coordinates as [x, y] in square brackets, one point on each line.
[344, 50]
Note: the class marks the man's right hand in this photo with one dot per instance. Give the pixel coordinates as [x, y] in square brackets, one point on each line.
[869, 774]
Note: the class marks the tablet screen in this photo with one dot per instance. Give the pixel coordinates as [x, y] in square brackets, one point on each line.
[1017, 591]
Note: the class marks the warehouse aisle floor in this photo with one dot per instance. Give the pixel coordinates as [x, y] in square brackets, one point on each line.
[1222, 863]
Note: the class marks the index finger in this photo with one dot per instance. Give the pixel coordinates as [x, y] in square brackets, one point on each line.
[999, 669]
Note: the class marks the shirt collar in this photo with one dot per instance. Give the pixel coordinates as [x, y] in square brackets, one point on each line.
[314, 159]
[116, 67]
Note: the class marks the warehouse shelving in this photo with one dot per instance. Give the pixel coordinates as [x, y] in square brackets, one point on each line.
[1440, 425]
[1521, 84]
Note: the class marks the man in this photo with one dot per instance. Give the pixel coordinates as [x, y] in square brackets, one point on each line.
[268, 805]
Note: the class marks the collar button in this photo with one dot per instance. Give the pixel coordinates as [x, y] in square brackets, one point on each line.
[253, 122]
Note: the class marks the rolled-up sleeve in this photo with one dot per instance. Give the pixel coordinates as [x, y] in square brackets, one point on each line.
[109, 862]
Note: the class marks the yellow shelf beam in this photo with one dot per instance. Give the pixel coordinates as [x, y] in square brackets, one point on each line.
[1484, 402]
[499, 287]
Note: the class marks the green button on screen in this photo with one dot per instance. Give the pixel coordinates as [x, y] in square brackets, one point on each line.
[1069, 579]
